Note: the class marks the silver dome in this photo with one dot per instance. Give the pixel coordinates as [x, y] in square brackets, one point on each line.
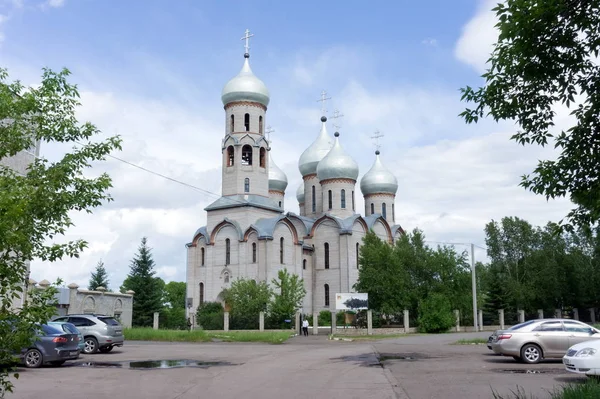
[337, 164]
[277, 179]
[245, 87]
[300, 193]
[378, 179]
[315, 152]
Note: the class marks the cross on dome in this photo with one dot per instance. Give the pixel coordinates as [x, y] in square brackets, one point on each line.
[322, 101]
[336, 114]
[247, 37]
[376, 138]
[268, 133]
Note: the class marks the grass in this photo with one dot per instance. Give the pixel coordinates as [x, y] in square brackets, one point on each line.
[149, 334]
[587, 390]
[472, 341]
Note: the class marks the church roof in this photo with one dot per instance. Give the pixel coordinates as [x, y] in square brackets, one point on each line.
[277, 179]
[307, 164]
[245, 87]
[378, 179]
[300, 193]
[235, 201]
[337, 164]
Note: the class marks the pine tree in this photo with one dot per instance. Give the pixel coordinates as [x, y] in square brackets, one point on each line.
[99, 278]
[148, 297]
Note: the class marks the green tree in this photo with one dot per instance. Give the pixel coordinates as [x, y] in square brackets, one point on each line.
[435, 314]
[543, 58]
[172, 316]
[99, 277]
[149, 290]
[246, 299]
[37, 204]
[209, 316]
[381, 275]
[289, 292]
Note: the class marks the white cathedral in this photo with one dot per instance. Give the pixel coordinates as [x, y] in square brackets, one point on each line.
[248, 233]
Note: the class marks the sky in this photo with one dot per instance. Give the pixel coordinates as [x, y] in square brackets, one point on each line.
[152, 72]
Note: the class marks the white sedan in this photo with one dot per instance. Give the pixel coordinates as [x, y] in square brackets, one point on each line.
[584, 358]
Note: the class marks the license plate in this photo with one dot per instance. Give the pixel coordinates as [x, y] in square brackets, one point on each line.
[566, 362]
[118, 332]
[74, 353]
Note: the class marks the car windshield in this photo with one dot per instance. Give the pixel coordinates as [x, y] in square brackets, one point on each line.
[521, 325]
[109, 320]
[51, 330]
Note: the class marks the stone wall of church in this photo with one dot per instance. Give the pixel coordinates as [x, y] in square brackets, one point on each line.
[238, 110]
[336, 186]
[244, 216]
[309, 182]
[376, 203]
[234, 176]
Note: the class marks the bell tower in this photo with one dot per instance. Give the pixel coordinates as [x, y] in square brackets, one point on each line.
[245, 168]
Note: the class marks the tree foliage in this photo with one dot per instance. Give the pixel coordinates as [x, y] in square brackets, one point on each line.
[36, 205]
[435, 314]
[99, 277]
[546, 56]
[246, 298]
[400, 276]
[533, 268]
[172, 315]
[209, 316]
[288, 293]
[148, 290]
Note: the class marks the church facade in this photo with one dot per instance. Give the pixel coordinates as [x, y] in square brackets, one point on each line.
[248, 232]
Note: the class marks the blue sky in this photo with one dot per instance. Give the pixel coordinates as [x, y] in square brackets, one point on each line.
[152, 71]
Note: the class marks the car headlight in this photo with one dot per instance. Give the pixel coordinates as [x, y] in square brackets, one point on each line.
[586, 352]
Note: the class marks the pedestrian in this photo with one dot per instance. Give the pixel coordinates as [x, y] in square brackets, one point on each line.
[305, 327]
[189, 324]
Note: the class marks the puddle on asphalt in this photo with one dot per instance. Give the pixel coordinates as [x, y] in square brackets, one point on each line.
[366, 360]
[531, 371]
[403, 356]
[153, 364]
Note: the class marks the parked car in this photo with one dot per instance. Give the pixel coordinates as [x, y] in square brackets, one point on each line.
[71, 329]
[539, 339]
[51, 346]
[100, 332]
[584, 358]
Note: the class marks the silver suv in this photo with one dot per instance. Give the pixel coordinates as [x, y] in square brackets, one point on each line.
[100, 333]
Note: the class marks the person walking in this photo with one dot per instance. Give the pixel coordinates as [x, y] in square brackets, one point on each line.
[305, 327]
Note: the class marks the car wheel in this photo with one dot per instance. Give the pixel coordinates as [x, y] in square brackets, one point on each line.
[58, 363]
[33, 358]
[531, 354]
[106, 349]
[90, 345]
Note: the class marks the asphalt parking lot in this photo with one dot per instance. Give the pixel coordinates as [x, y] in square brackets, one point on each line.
[412, 367]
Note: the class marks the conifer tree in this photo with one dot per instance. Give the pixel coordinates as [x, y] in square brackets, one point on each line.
[99, 278]
[148, 297]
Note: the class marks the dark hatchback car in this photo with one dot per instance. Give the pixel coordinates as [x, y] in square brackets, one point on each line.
[51, 346]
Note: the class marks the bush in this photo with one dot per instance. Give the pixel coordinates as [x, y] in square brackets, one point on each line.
[173, 319]
[210, 316]
[435, 314]
[324, 318]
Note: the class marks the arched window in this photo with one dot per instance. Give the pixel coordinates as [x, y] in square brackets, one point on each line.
[326, 255]
[372, 208]
[357, 254]
[247, 122]
[314, 200]
[353, 200]
[343, 199]
[201, 300]
[253, 252]
[262, 158]
[393, 212]
[202, 256]
[326, 294]
[280, 204]
[260, 125]
[304, 264]
[330, 199]
[227, 251]
[230, 155]
[226, 277]
[384, 210]
[246, 155]
[232, 124]
[281, 250]
[246, 185]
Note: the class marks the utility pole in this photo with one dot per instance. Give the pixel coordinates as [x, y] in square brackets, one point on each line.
[474, 285]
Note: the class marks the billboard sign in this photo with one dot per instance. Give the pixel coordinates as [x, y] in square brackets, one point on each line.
[352, 301]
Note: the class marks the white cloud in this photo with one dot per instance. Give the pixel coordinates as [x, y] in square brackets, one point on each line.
[478, 36]
[56, 3]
